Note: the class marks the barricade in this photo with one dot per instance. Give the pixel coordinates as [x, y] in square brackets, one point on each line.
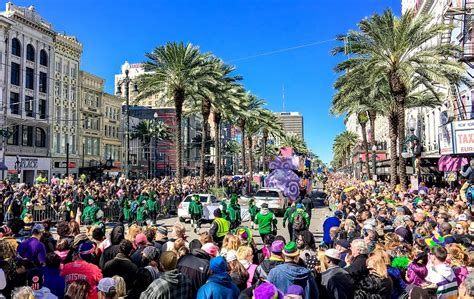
[42, 212]
[111, 210]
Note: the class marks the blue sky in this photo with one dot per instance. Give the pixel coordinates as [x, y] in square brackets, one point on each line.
[113, 31]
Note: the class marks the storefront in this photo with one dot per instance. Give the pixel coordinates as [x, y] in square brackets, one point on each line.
[58, 167]
[26, 169]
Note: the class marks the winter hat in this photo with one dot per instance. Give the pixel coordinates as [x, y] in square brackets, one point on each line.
[267, 291]
[295, 290]
[5, 231]
[210, 249]
[106, 285]
[277, 246]
[299, 206]
[78, 239]
[169, 259]
[162, 230]
[141, 239]
[86, 250]
[218, 265]
[35, 279]
[231, 256]
[151, 253]
[291, 250]
[333, 253]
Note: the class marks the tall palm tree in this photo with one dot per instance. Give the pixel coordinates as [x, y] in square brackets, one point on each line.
[178, 71]
[343, 145]
[397, 50]
[233, 147]
[150, 130]
[296, 143]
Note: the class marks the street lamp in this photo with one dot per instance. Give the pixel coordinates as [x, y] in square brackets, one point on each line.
[126, 81]
[374, 159]
[18, 168]
[411, 146]
[155, 118]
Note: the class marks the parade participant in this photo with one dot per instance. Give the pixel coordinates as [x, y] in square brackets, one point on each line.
[287, 216]
[142, 213]
[253, 212]
[151, 206]
[219, 227]
[266, 221]
[223, 207]
[126, 208]
[89, 215]
[300, 220]
[233, 210]
[195, 211]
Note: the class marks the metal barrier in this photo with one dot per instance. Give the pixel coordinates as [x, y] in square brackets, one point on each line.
[42, 212]
[111, 210]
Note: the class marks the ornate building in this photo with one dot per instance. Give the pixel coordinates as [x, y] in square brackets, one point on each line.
[64, 109]
[111, 140]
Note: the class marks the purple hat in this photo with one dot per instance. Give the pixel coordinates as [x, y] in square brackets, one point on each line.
[295, 290]
[277, 246]
[267, 290]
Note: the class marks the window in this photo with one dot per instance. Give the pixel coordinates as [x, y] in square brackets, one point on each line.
[13, 139]
[44, 58]
[29, 79]
[40, 137]
[73, 93]
[58, 143]
[16, 47]
[27, 136]
[43, 83]
[73, 71]
[29, 106]
[57, 89]
[58, 65]
[30, 53]
[105, 131]
[42, 108]
[66, 90]
[15, 74]
[15, 103]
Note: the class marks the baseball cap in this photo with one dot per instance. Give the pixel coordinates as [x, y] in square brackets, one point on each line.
[106, 285]
[343, 243]
[141, 239]
[333, 253]
[38, 227]
[231, 256]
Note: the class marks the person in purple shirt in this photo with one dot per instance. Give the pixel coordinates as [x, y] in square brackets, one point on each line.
[32, 248]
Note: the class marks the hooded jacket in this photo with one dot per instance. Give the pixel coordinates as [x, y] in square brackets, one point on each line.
[170, 285]
[44, 293]
[416, 274]
[284, 275]
[196, 267]
[219, 285]
[110, 252]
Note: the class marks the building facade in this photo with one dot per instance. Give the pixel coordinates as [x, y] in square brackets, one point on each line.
[90, 115]
[292, 122]
[27, 79]
[111, 140]
[64, 109]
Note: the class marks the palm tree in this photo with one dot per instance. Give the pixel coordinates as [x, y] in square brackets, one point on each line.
[397, 49]
[296, 143]
[343, 145]
[148, 130]
[233, 147]
[270, 127]
[178, 71]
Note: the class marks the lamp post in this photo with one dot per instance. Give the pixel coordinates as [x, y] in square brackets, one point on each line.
[155, 142]
[374, 160]
[126, 81]
[18, 168]
[411, 146]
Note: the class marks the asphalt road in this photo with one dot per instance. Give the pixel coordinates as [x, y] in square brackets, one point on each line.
[318, 216]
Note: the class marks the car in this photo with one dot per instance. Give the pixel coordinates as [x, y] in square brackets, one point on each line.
[275, 199]
[209, 204]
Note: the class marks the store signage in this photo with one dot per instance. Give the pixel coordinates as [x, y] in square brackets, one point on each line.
[446, 139]
[457, 137]
[29, 163]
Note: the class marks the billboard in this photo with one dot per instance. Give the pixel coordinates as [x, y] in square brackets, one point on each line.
[457, 137]
[445, 133]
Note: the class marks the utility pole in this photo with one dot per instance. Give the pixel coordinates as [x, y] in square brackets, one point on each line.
[67, 159]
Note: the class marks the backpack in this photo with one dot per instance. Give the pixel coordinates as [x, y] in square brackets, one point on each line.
[134, 207]
[298, 222]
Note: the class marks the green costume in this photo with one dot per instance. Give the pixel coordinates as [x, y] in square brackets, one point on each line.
[89, 215]
[234, 212]
[86, 200]
[252, 209]
[266, 221]
[24, 212]
[126, 208]
[289, 211]
[304, 214]
[195, 208]
[150, 204]
[141, 213]
[223, 208]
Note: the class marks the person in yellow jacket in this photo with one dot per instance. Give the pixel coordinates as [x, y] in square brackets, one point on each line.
[219, 228]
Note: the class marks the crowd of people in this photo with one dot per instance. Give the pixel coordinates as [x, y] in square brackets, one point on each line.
[378, 243]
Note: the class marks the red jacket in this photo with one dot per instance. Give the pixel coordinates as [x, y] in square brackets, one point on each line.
[80, 269]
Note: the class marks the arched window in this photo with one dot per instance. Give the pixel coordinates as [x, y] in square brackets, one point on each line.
[30, 53]
[43, 58]
[40, 137]
[16, 47]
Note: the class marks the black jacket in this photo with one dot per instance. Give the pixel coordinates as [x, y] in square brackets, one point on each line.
[108, 254]
[373, 286]
[263, 269]
[336, 284]
[358, 268]
[195, 266]
[121, 265]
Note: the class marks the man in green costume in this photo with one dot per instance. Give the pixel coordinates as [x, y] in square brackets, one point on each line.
[287, 216]
[223, 208]
[253, 212]
[300, 220]
[126, 208]
[89, 215]
[266, 222]
[141, 213]
[234, 212]
[151, 206]
[195, 211]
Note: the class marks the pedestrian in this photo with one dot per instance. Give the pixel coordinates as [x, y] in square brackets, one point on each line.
[219, 227]
[253, 212]
[116, 236]
[121, 264]
[377, 282]
[276, 258]
[32, 248]
[219, 285]
[306, 245]
[171, 283]
[195, 211]
[195, 265]
[107, 288]
[245, 257]
[335, 281]
[333, 221]
[266, 221]
[287, 216]
[52, 277]
[233, 211]
[466, 289]
[289, 273]
[358, 264]
[36, 282]
[237, 271]
[441, 274]
[299, 219]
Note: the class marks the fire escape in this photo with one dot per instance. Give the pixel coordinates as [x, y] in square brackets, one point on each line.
[460, 12]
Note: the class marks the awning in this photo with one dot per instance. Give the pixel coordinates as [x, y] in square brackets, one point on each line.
[450, 163]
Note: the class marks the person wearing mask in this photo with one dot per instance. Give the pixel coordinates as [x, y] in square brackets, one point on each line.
[266, 221]
[276, 258]
[441, 274]
[52, 279]
[121, 265]
[117, 235]
[333, 221]
[35, 280]
[171, 283]
[219, 227]
[289, 273]
[82, 269]
[358, 267]
[336, 282]
[219, 285]
[32, 249]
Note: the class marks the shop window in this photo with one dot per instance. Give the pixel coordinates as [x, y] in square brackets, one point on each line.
[16, 47]
[30, 53]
